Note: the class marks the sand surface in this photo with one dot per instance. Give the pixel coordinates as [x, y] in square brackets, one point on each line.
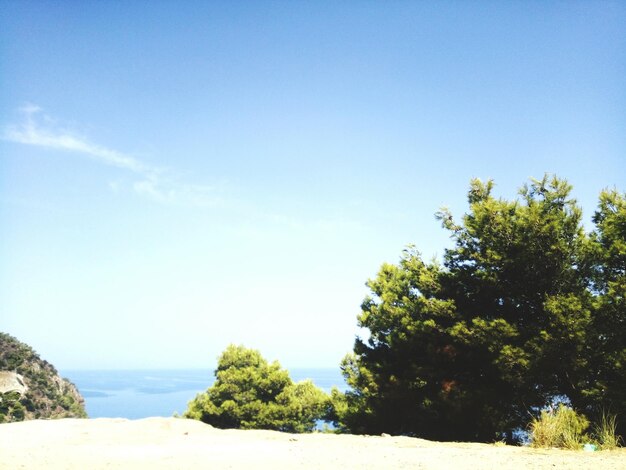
[159, 443]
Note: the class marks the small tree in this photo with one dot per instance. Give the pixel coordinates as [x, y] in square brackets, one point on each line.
[250, 393]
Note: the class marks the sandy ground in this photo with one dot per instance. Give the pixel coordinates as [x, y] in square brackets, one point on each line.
[159, 443]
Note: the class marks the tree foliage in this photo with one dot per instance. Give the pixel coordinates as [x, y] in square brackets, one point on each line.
[526, 307]
[251, 393]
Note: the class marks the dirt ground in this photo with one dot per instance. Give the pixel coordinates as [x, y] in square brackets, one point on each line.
[170, 443]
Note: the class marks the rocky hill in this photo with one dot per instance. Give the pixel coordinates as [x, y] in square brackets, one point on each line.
[31, 388]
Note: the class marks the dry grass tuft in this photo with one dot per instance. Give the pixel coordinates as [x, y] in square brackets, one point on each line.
[562, 428]
[604, 433]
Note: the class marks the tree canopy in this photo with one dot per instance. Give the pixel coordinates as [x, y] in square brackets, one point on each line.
[250, 393]
[525, 308]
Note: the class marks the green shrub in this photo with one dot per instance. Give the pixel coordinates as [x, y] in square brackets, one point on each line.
[10, 407]
[563, 428]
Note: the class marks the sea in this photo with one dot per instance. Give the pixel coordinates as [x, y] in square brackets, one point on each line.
[135, 394]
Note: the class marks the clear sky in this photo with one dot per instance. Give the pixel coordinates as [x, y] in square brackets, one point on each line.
[177, 176]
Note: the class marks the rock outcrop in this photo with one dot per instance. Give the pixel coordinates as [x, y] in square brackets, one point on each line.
[12, 382]
[31, 388]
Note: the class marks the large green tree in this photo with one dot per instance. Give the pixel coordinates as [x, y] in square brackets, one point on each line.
[525, 308]
[250, 393]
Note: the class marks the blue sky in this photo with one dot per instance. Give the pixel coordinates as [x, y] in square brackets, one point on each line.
[177, 176]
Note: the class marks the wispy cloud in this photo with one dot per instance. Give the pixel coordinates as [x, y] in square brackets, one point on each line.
[158, 184]
[31, 131]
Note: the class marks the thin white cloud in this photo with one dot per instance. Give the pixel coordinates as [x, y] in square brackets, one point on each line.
[154, 183]
[32, 132]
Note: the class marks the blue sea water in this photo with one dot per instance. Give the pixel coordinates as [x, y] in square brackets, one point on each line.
[135, 394]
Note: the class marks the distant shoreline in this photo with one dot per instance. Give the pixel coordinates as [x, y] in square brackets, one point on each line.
[143, 393]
